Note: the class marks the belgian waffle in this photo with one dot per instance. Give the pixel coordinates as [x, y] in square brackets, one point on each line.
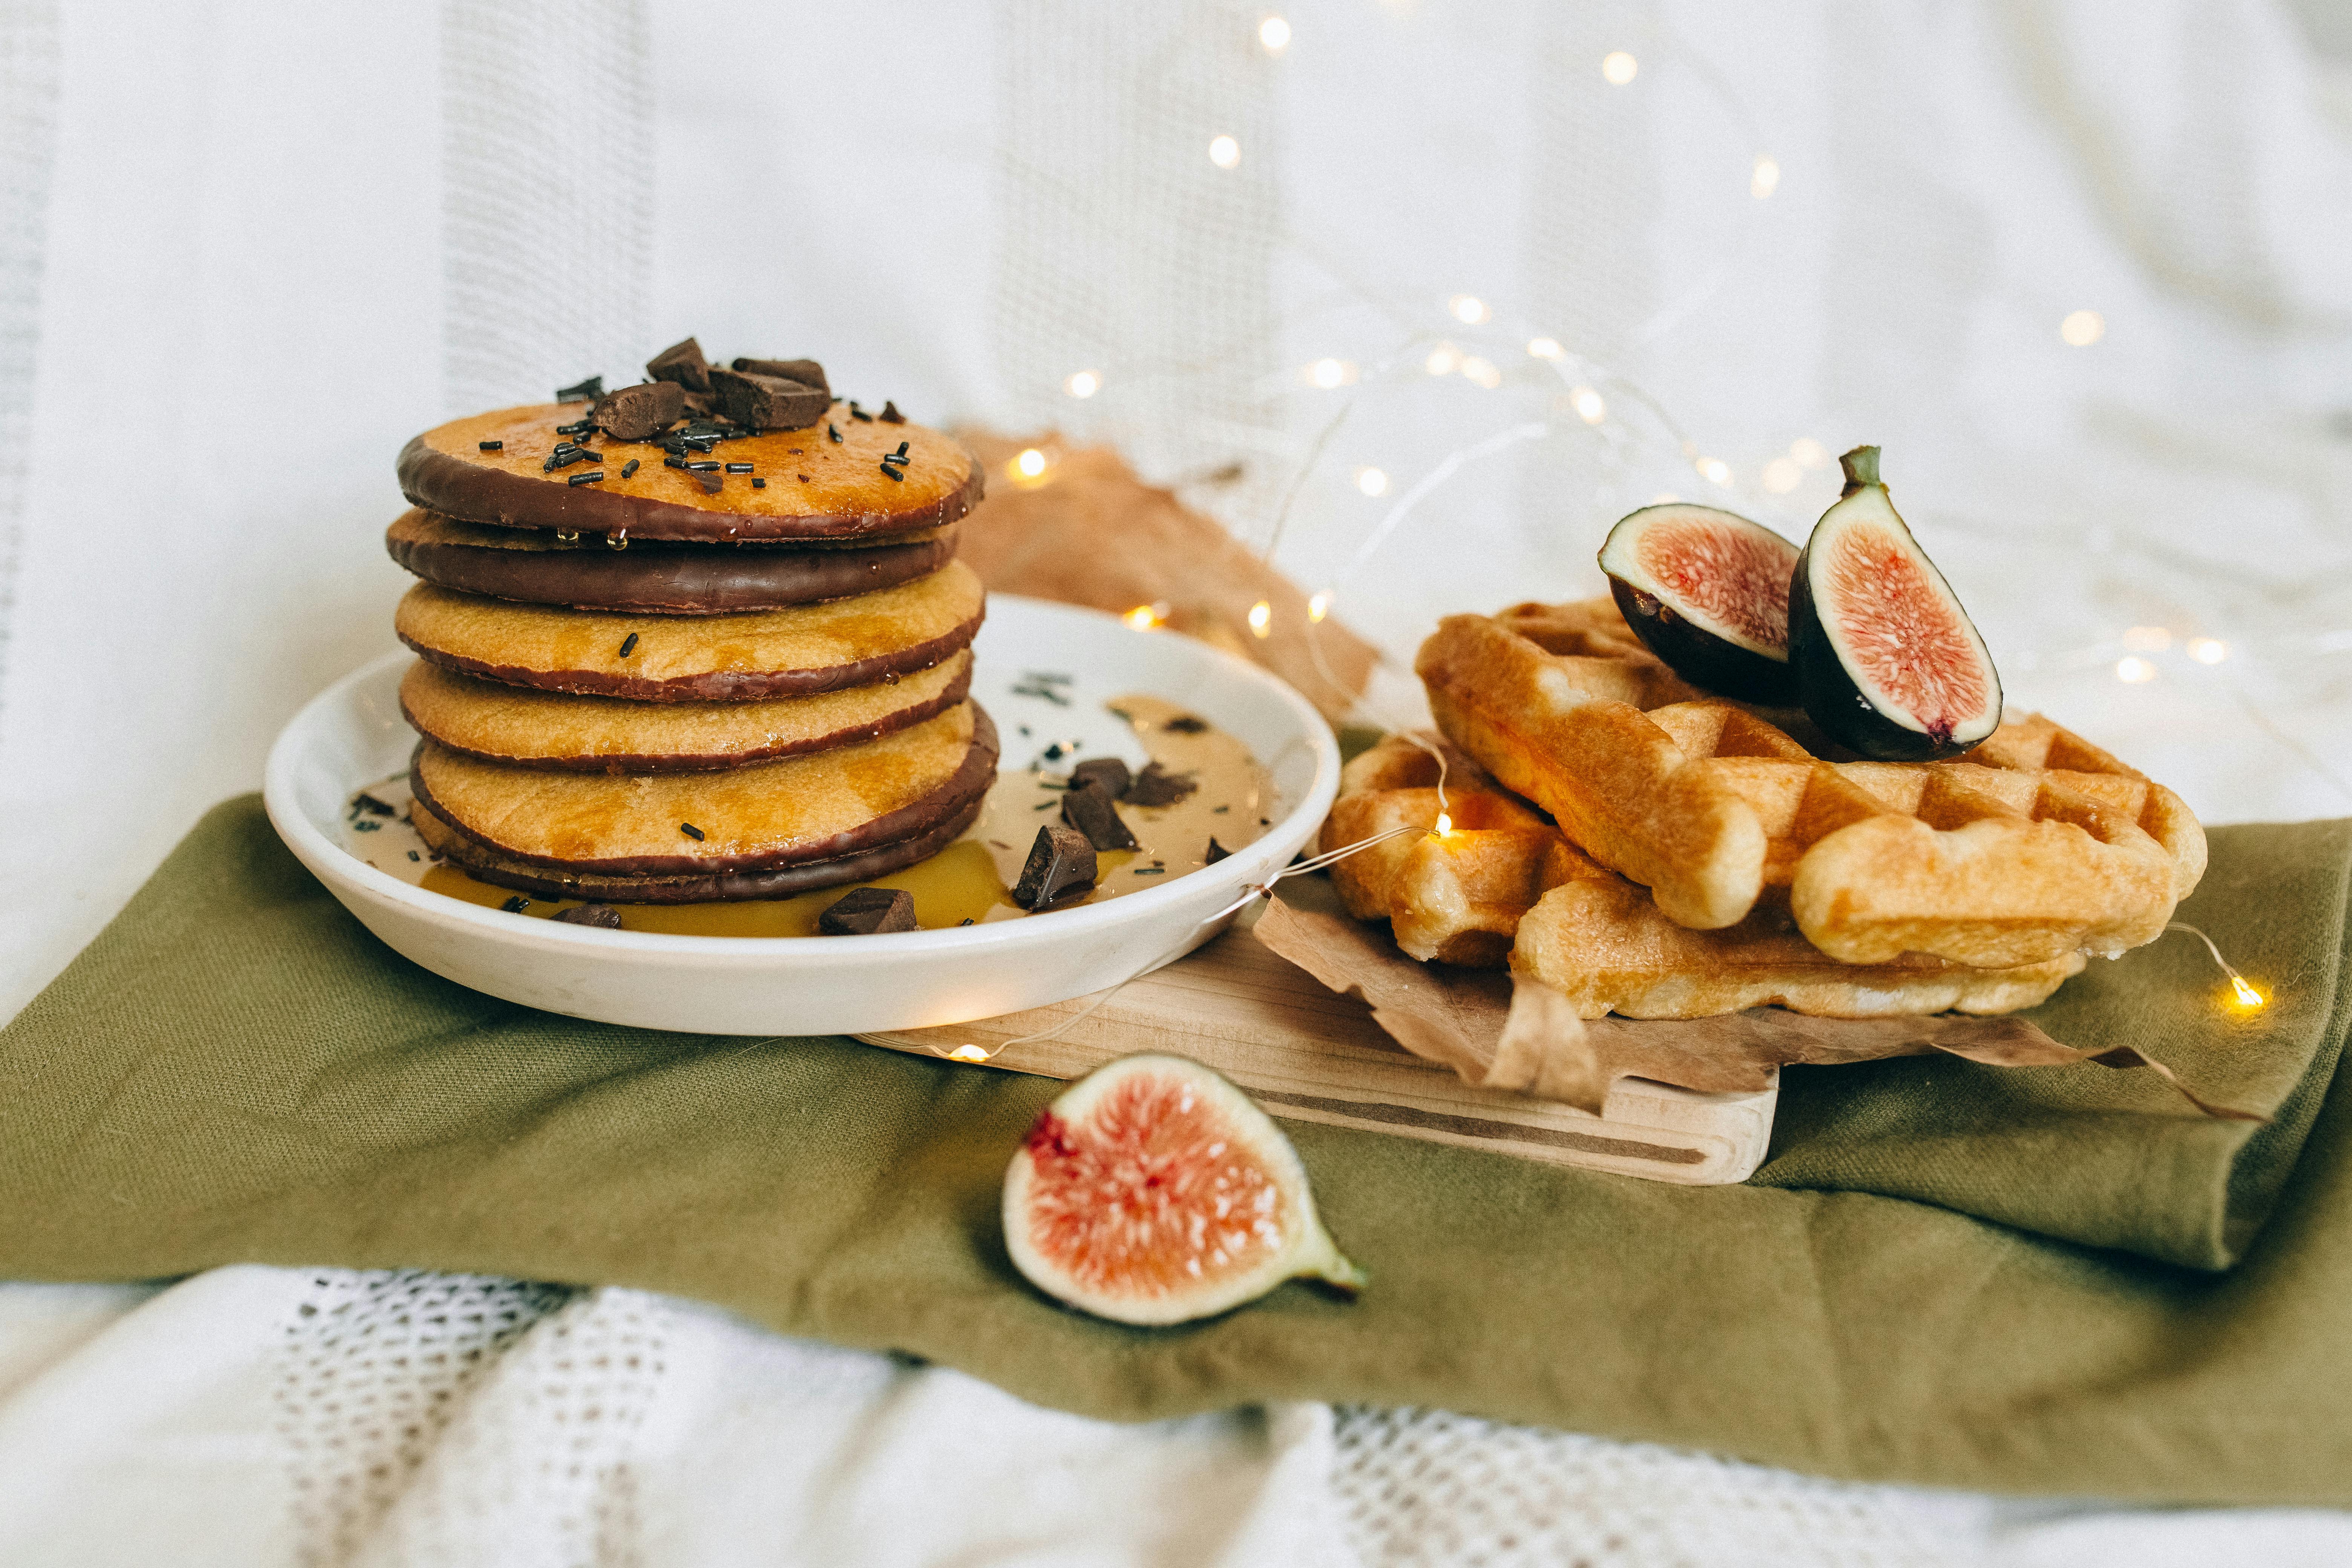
[2038, 847]
[1502, 883]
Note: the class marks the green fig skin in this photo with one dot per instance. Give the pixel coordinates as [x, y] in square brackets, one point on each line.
[1832, 699]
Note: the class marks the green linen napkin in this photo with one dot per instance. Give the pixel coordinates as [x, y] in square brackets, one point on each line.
[235, 1071]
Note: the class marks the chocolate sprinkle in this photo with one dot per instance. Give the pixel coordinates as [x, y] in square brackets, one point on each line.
[739, 467]
[1090, 811]
[692, 831]
[1060, 862]
[890, 415]
[628, 645]
[868, 912]
[592, 387]
[901, 453]
[759, 484]
[833, 432]
[516, 905]
[582, 428]
[893, 473]
[372, 806]
[603, 917]
[628, 468]
[586, 478]
[494, 446]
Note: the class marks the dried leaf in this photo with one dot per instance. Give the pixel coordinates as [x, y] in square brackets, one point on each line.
[1527, 1036]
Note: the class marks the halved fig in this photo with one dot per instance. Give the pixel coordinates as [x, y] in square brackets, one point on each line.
[1707, 590]
[1887, 660]
[1153, 1192]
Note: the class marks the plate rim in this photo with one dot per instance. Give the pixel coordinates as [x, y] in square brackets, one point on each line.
[330, 860]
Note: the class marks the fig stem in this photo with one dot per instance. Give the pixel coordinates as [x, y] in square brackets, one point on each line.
[1861, 467]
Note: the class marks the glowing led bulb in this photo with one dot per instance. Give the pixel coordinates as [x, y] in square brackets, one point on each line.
[1372, 482]
[1261, 618]
[1587, 405]
[1320, 606]
[2081, 329]
[1083, 383]
[1783, 474]
[1764, 176]
[1715, 470]
[2134, 670]
[1274, 34]
[1444, 825]
[1030, 463]
[1618, 68]
[1327, 374]
[967, 1054]
[1545, 348]
[1224, 151]
[2247, 996]
[1481, 371]
[2207, 650]
[1444, 360]
[1145, 618]
[1468, 309]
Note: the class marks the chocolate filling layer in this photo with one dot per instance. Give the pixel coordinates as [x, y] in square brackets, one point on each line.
[659, 578]
[966, 786]
[439, 720]
[861, 867]
[718, 686]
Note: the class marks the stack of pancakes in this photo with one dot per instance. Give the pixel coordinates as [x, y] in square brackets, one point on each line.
[702, 638]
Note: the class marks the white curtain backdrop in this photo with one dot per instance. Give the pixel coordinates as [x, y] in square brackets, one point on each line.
[247, 251]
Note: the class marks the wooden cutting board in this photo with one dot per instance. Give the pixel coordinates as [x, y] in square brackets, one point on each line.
[1307, 1055]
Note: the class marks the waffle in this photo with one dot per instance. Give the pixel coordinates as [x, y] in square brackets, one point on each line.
[1503, 884]
[2038, 847]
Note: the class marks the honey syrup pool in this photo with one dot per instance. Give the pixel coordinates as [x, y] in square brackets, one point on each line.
[970, 881]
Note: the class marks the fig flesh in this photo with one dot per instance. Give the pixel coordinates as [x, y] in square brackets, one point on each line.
[1887, 662]
[1708, 591]
[1153, 1192]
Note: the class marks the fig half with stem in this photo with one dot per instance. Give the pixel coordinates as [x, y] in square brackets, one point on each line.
[1887, 662]
[1153, 1192]
[1708, 591]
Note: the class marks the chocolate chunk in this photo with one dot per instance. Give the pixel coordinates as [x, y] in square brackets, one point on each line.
[589, 390]
[700, 402]
[768, 402]
[869, 911]
[710, 482]
[1061, 861]
[1090, 811]
[1107, 773]
[1156, 787]
[807, 372]
[682, 362]
[603, 917]
[516, 905]
[1185, 724]
[635, 412]
[890, 415]
[1216, 852]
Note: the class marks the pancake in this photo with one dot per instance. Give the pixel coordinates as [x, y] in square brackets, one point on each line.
[546, 882]
[536, 567]
[767, 815]
[816, 487]
[497, 722]
[791, 652]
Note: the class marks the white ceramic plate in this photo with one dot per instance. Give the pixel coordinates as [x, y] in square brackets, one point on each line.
[351, 735]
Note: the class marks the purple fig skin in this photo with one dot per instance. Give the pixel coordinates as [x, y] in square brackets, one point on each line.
[1833, 698]
[1701, 658]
